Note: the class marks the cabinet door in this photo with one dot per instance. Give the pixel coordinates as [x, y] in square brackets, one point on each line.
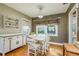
[7, 44]
[24, 40]
[19, 41]
[1, 44]
[13, 42]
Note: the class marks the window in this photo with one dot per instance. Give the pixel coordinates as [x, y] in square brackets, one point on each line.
[50, 30]
[41, 30]
[26, 30]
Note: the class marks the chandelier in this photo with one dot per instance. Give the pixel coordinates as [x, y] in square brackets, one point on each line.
[40, 11]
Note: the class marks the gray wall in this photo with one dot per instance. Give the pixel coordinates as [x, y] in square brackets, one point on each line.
[62, 25]
[7, 11]
[78, 23]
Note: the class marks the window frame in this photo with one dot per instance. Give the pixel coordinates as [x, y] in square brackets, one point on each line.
[46, 30]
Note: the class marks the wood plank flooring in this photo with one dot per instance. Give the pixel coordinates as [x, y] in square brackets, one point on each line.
[54, 50]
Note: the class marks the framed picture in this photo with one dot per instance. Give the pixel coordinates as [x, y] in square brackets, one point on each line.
[9, 22]
[52, 29]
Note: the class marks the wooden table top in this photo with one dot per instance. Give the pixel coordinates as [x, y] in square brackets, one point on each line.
[71, 48]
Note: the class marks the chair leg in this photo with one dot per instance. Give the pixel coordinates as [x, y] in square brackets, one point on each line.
[35, 53]
[28, 51]
[43, 51]
[46, 50]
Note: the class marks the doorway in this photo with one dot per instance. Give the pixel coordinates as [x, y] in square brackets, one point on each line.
[73, 25]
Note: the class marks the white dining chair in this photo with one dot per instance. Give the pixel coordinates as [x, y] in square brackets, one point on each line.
[33, 47]
[46, 44]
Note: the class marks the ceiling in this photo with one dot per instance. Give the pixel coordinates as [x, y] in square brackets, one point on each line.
[32, 10]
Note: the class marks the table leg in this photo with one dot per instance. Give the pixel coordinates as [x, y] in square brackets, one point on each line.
[3, 54]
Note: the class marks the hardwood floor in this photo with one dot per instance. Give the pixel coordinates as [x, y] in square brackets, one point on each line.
[54, 50]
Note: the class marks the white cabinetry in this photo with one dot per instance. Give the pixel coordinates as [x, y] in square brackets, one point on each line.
[16, 41]
[19, 41]
[1, 44]
[11, 42]
[24, 39]
[6, 44]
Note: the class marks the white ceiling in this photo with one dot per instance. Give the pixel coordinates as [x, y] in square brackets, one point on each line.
[31, 9]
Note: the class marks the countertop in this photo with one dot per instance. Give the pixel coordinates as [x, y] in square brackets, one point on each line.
[4, 35]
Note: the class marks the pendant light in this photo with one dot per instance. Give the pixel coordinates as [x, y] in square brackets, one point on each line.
[40, 11]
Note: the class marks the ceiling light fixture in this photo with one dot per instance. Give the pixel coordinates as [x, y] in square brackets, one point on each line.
[40, 11]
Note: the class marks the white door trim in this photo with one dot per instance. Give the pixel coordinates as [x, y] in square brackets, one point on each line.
[70, 22]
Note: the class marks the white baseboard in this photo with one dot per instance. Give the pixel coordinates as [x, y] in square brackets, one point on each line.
[56, 43]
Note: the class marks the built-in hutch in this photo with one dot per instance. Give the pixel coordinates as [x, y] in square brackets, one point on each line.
[11, 41]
